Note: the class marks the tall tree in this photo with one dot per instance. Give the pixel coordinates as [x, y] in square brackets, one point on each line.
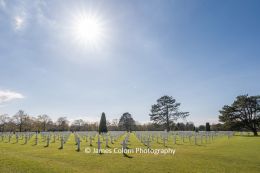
[102, 124]
[20, 119]
[244, 112]
[207, 126]
[127, 122]
[63, 124]
[166, 111]
[44, 120]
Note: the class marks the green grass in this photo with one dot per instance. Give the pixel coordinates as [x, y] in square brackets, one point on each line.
[237, 154]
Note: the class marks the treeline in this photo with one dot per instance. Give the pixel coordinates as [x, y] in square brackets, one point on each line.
[21, 122]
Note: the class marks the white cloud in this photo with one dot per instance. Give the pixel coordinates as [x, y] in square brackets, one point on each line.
[18, 22]
[6, 96]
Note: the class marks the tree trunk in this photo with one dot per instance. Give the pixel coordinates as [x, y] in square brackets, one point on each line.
[255, 132]
[167, 120]
[168, 128]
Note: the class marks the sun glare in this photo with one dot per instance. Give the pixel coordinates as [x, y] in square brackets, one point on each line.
[88, 29]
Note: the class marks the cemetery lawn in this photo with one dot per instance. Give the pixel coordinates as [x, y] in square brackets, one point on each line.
[237, 154]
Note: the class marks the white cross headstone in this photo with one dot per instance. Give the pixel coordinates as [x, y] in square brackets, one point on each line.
[78, 144]
[124, 146]
[61, 142]
[36, 138]
[148, 143]
[54, 138]
[9, 138]
[111, 139]
[90, 141]
[106, 141]
[26, 138]
[48, 141]
[17, 138]
[99, 145]
[164, 141]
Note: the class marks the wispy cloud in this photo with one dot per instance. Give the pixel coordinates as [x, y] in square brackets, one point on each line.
[2, 4]
[25, 14]
[6, 96]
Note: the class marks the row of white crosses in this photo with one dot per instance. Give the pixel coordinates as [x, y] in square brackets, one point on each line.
[144, 137]
[26, 136]
[104, 136]
[125, 143]
[193, 137]
[90, 136]
[244, 133]
[48, 136]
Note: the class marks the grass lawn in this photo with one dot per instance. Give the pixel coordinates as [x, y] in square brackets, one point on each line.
[237, 154]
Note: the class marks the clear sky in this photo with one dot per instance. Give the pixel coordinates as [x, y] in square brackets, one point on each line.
[53, 60]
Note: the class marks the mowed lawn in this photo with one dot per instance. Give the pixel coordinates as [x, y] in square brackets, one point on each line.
[237, 154]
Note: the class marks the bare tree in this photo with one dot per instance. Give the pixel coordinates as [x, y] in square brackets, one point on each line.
[77, 125]
[4, 119]
[20, 118]
[63, 124]
[44, 121]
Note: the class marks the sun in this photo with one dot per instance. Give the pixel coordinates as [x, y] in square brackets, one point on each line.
[88, 29]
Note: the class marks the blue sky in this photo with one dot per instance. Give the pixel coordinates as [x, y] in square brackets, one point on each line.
[203, 53]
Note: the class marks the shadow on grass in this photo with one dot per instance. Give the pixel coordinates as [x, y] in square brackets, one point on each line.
[200, 145]
[127, 156]
[250, 136]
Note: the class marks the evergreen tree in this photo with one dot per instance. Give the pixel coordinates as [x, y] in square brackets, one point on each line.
[127, 122]
[166, 111]
[243, 113]
[103, 124]
[207, 127]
